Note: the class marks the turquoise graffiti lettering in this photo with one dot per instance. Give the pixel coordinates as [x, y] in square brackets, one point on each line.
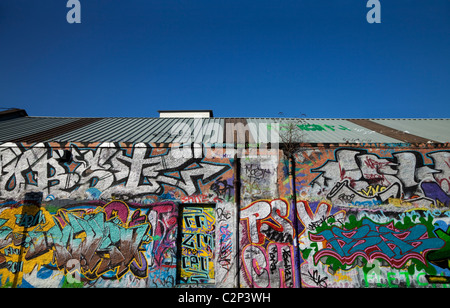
[372, 241]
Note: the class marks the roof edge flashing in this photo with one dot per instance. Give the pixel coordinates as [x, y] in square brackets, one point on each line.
[12, 113]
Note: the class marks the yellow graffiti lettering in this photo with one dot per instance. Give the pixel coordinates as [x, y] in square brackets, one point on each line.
[372, 190]
[18, 222]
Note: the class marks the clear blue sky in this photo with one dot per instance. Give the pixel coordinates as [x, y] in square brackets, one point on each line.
[238, 58]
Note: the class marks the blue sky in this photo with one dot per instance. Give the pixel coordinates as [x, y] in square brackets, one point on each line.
[239, 58]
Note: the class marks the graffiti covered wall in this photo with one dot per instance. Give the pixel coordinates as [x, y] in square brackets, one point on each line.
[107, 215]
[197, 244]
[87, 243]
[374, 217]
[143, 215]
[105, 170]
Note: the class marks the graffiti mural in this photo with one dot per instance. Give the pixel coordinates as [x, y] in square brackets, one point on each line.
[108, 215]
[259, 178]
[361, 248]
[162, 252]
[106, 242]
[375, 241]
[225, 266]
[16, 222]
[139, 215]
[356, 177]
[197, 245]
[103, 170]
[267, 239]
[374, 217]
[87, 242]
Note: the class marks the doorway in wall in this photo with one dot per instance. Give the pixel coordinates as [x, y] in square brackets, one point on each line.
[197, 238]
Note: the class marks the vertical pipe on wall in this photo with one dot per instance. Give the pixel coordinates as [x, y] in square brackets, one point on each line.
[296, 226]
[178, 245]
[237, 200]
[31, 199]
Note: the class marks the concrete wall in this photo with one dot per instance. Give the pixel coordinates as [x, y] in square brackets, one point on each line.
[110, 215]
[369, 216]
[122, 215]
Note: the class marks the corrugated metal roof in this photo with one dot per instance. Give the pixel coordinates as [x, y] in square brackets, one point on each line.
[223, 130]
[432, 129]
[25, 126]
[157, 130]
[324, 130]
